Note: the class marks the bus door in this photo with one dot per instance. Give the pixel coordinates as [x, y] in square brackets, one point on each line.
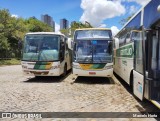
[153, 65]
[138, 72]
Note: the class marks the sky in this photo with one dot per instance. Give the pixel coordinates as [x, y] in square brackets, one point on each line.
[100, 13]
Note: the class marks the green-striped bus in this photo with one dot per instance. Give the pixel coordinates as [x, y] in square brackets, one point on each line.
[46, 54]
[92, 52]
[137, 53]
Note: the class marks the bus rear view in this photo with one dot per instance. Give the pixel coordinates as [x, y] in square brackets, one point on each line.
[92, 52]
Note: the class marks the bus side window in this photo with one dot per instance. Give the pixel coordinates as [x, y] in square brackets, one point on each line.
[122, 40]
[128, 39]
[154, 52]
[133, 38]
[137, 38]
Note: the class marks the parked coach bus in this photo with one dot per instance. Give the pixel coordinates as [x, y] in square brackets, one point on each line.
[92, 52]
[137, 53]
[46, 54]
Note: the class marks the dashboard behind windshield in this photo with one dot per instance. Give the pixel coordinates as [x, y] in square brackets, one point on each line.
[93, 51]
[41, 48]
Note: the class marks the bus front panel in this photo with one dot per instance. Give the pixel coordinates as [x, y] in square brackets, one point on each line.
[41, 68]
[93, 70]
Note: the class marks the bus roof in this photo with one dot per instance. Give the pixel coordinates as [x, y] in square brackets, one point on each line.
[52, 33]
[93, 29]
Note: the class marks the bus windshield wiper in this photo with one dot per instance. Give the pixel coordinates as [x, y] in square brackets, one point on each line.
[39, 55]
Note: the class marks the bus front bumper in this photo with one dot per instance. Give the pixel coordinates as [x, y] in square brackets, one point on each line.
[54, 72]
[93, 73]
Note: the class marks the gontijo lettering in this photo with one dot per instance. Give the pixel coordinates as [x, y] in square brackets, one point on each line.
[127, 51]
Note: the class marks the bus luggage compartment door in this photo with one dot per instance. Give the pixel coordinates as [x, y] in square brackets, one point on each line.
[138, 84]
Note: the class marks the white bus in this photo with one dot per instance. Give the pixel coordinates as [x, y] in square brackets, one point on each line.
[92, 52]
[137, 53]
[46, 54]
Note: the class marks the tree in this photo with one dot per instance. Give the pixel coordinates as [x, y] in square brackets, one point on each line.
[4, 27]
[13, 29]
[74, 26]
[125, 20]
[35, 25]
[4, 45]
[65, 31]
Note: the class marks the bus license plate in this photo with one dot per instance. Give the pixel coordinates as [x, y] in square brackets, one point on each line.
[92, 73]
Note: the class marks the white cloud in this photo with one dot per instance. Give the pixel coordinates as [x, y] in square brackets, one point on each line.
[115, 30]
[133, 9]
[14, 15]
[57, 27]
[102, 26]
[95, 11]
[141, 2]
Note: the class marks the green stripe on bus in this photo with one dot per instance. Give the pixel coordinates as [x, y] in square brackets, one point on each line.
[92, 66]
[126, 51]
[98, 66]
[42, 65]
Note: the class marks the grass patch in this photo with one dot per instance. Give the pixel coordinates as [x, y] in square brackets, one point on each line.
[10, 62]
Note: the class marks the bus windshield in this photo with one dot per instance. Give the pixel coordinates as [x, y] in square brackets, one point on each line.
[81, 34]
[41, 47]
[93, 51]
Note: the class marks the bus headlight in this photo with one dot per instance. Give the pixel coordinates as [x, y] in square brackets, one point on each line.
[55, 67]
[109, 67]
[76, 66]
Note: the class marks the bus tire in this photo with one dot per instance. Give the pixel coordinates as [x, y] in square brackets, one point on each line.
[37, 77]
[65, 71]
[131, 80]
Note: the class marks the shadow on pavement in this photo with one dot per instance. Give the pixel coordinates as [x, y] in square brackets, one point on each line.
[94, 80]
[147, 106]
[47, 79]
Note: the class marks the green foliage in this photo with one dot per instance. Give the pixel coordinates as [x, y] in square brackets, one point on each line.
[74, 26]
[10, 62]
[81, 25]
[13, 29]
[125, 20]
[35, 25]
[4, 45]
[65, 31]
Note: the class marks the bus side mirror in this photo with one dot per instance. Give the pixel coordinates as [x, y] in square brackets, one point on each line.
[61, 55]
[62, 52]
[110, 48]
[72, 45]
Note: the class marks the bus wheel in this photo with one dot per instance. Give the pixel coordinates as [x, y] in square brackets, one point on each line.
[37, 76]
[65, 71]
[131, 81]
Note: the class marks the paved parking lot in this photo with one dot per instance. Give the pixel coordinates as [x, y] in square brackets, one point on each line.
[21, 93]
